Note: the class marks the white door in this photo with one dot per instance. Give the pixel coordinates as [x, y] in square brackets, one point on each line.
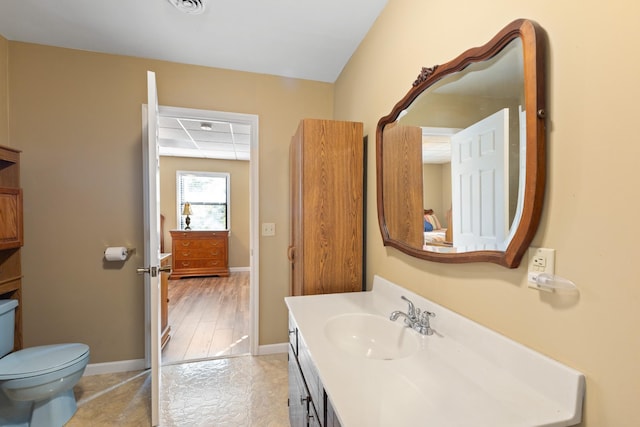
[522, 114]
[480, 184]
[151, 269]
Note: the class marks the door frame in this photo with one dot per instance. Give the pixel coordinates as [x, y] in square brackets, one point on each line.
[254, 237]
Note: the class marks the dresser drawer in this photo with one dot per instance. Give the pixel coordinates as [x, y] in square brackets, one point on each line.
[200, 263]
[199, 253]
[213, 242]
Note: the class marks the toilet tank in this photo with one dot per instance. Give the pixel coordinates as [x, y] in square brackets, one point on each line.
[7, 323]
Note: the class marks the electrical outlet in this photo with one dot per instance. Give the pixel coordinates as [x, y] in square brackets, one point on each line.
[541, 260]
[268, 229]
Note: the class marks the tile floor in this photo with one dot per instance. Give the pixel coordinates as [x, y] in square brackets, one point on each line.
[236, 391]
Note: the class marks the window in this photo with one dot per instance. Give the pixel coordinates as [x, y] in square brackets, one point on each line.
[208, 194]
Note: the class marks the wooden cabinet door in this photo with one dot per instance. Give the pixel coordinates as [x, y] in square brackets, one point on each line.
[327, 207]
[404, 217]
[11, 228]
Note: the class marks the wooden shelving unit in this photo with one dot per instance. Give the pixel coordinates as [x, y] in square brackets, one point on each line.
[11, 233]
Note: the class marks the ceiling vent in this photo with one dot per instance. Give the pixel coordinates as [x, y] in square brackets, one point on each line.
[192, 7]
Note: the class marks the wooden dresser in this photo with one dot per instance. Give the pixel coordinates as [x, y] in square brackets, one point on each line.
[199, 253]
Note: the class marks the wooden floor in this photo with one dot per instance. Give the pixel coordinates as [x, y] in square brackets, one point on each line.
[209, 317]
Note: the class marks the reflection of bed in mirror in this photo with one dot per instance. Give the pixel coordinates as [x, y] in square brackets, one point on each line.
[435, 235]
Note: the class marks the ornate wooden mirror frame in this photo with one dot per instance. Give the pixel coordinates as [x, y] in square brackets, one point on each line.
[533, 52]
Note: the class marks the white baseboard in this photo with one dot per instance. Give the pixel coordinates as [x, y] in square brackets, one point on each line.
[273, 348]
[138, 364]
[234, 269]
[113, 367]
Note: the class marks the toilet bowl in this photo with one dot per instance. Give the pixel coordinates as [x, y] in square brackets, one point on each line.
[36, 384]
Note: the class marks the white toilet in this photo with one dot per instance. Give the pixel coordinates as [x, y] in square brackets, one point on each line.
[36, 384]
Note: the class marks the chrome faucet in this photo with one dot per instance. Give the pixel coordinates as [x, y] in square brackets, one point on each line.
[409, 316]
[414, 318]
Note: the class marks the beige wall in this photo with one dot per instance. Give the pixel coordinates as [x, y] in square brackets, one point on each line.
[593, 152]
[4, 98]
[239, 174]
[432, 189]
[77, 117]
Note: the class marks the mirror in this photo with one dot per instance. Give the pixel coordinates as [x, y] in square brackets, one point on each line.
[461, 158]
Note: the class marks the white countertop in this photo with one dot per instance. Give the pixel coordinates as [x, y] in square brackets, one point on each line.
[464, 375]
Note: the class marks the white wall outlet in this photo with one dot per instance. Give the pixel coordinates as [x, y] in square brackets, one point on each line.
[268, 229]
[541, 260]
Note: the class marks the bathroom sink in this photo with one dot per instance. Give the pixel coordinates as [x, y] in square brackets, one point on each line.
[371, 337]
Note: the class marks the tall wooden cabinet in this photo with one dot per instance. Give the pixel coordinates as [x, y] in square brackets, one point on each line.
[11, 233]
[326, 250]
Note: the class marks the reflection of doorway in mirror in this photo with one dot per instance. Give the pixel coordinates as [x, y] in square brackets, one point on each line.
[479, 165]
[436, 170]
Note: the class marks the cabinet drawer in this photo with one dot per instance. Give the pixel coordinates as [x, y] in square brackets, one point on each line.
[199, 253]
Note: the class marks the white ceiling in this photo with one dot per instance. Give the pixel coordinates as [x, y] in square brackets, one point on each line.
[305, 39]
[186, 137]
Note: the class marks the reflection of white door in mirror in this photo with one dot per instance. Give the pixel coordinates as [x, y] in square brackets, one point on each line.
[522, 165]
[480, 183]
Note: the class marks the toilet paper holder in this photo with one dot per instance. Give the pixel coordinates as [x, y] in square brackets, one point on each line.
[118, 253]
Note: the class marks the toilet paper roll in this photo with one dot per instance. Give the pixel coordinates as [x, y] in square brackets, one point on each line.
[117, 253]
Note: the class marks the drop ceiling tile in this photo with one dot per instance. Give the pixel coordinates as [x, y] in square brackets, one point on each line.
[177, 143]
[171, 133]
[211, 136]
[238, 128]
[215, 146]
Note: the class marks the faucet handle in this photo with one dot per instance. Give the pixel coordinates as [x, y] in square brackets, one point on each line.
[424, 318]
[426, 314]
[424, 326]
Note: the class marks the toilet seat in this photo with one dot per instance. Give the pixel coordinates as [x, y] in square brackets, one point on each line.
[41, 360]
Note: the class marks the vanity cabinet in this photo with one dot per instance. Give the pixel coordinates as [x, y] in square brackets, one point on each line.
[326, 249]
[11, 234]
[309, 405]
[302, 410]
[199, 253]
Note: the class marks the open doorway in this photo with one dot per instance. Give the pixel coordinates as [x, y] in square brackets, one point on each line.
[212, 316]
